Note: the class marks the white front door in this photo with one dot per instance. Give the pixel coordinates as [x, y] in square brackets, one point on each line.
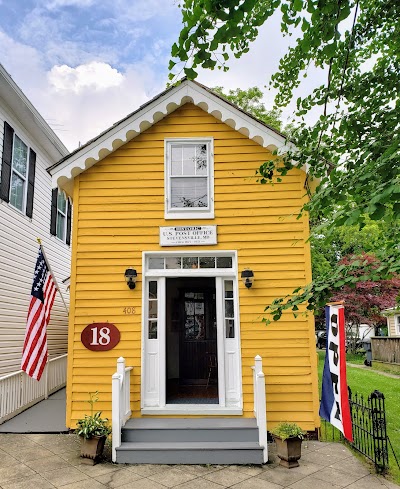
[158, 323]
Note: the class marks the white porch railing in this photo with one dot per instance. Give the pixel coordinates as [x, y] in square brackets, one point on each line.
[19, 392]
[121, 402]
[260, 406]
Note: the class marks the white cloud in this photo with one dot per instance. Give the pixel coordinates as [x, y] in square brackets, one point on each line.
[95, 75]
[68, 3]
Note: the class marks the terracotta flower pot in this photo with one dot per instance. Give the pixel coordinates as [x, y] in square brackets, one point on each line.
[289, 451]
[92, 447]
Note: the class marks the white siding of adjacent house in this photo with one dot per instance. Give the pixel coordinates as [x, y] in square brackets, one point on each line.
[18, 253]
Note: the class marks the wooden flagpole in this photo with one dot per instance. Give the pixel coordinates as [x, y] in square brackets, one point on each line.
[52, 274]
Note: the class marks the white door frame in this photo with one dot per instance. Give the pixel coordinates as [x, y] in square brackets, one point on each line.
[155, 403]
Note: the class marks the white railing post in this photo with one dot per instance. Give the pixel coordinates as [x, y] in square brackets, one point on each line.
[256, 369]
[262, 414]
[120, 403]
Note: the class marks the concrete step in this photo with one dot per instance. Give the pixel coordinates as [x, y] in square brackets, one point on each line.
[190, 430]
[190, 453]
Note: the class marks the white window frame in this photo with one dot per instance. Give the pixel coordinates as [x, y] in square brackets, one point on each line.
[25, 179]
[397, 324]
[64, 239]
[189, 212]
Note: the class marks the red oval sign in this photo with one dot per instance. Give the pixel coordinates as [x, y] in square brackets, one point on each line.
[100, 336]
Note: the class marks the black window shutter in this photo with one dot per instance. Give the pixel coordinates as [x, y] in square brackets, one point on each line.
[53, 219]
[6, 162]
[69, 215]
[31, 183]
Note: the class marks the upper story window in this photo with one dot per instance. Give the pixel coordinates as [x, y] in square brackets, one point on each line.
[61, 214]
[189, 188]
[17, 172]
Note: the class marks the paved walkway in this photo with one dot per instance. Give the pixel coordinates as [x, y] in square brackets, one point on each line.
[45, 417]
[45, 461]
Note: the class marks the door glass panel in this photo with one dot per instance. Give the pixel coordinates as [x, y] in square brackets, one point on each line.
[156, 263]
[224, 262]
[229, 310]
[207, 262]
[190, 262]
[152, 310]
[173, 262]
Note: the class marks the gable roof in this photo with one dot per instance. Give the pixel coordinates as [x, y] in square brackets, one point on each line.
[65, 170]
[19, 105]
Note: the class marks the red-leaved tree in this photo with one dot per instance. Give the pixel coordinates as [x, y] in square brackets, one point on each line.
[365, 300]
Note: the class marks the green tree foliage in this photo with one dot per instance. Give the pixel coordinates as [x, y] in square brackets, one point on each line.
[250, 100]
[353, 149]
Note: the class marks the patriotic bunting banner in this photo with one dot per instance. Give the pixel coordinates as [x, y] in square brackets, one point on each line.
[34, 354]
[335, 401]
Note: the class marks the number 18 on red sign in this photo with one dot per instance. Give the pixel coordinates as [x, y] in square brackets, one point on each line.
[100, 336]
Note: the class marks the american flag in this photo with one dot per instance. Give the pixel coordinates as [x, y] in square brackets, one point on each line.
[34, 354]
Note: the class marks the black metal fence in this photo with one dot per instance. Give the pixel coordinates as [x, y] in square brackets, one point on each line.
[368, 420]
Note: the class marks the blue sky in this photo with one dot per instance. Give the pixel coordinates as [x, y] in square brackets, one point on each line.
[85, 64]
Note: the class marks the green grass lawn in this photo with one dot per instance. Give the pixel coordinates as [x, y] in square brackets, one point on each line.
[364, 382]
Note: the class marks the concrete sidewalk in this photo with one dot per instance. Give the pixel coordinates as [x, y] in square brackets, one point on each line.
[44, 461]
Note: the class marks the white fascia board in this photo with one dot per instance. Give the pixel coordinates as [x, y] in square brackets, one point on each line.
[29, 117]
[64, 173]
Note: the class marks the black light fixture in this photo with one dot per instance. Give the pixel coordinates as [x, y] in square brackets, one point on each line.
[248, 278]
[130, 277]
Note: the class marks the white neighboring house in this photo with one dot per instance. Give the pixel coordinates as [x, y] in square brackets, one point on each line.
[29, 209]
[393, 320]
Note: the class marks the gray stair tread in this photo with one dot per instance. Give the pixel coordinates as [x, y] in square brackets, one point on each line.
[216, 445]
[189, 423]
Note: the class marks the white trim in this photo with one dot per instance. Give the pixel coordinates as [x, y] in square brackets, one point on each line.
[130, 127]
[236, 406]
[189, 212]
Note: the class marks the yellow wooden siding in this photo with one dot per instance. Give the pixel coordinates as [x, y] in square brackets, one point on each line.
[119, 206]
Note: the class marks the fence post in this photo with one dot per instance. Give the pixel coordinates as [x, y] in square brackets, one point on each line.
[262, 414]
[117, 406]
[256, 370]
[381, 456]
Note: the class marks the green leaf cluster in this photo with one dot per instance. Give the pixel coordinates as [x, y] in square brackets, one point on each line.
[287, 430]
[93, 424]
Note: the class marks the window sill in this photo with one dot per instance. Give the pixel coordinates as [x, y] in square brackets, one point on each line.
[189, 215]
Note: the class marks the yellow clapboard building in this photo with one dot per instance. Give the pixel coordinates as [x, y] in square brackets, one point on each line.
[177, 248]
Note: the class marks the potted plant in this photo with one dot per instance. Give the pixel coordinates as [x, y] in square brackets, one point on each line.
[93, 430]
[288, 438]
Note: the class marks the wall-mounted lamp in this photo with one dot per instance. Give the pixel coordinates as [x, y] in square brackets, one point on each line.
[248, 278]
[130, 277]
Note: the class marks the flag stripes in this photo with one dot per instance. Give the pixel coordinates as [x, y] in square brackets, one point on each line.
[35, 353]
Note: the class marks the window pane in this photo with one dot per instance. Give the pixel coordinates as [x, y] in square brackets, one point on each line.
[60, 226]
[230, 328]
[61, 203]
[207, 262]
[228, 308]
[229, 289]
[189, 192]
[189, 152]
[20, 156]
[153, 309]
[201, 159]
[17, 191]
[152, 330]
[156, 263]
[176, 168]
[153, 289]
[189, 167]
[190, 262]
[176, 154]
[224, 262]
[173, 262]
